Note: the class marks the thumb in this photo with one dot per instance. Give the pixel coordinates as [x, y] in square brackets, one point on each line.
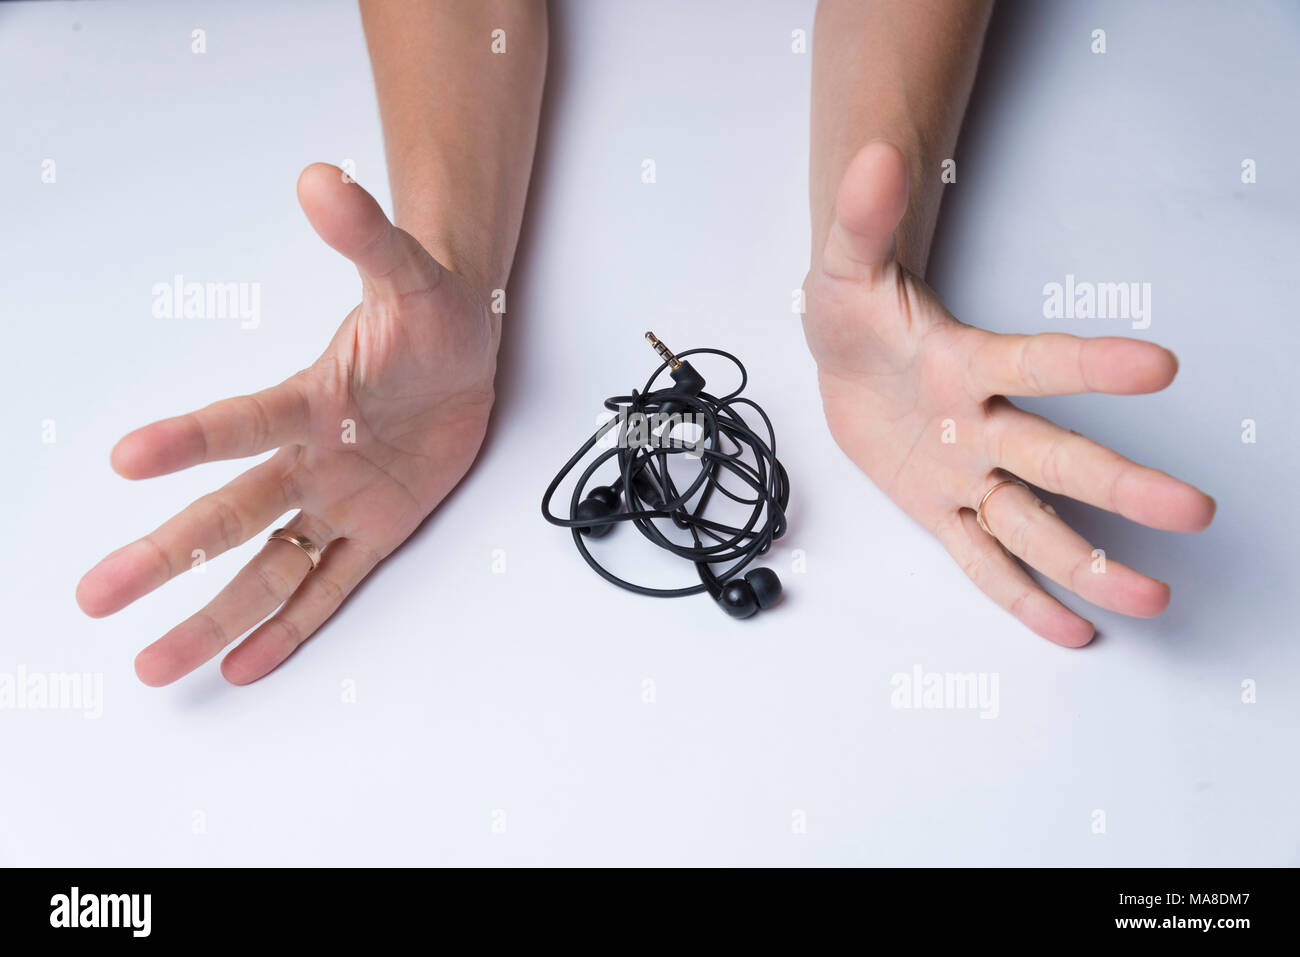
[868, 208]
[348, 219]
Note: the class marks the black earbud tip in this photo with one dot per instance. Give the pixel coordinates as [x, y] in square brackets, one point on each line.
[592, 508]
[738, 599]
[766, 586]
[607, 496]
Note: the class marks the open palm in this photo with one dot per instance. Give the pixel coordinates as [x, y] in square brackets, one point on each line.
[917, 400]
[370, 438]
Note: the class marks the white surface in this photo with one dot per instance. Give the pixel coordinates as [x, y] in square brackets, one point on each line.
[521, 692]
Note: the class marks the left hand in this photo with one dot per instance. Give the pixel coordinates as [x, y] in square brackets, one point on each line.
[411, 369]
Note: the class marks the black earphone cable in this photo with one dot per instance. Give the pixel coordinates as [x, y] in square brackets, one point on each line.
[645, 494]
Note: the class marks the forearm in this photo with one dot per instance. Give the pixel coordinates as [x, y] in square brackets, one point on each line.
[460, 123]
[898, 70]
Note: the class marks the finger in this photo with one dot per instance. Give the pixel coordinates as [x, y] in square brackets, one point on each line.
[1030, 530]
[870, 204]
[348, 219]
[257, 590]
[1064, 462]
[1054, 363]
[229, 429]
[345, 563]
[1002, 578]
[215, 523]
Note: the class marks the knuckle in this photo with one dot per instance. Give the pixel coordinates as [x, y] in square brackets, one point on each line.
[259, 420]
[1050, 466]
[272, 581]
[196, 424]
[976, 566]
[332, 591]
[995, 435]
[229, 522]
[370, 557]
[287, 633]
[1020, 536]
[1112, 487]
[162, 559]
[216, 631]
[1081, 564]
[1025, 366]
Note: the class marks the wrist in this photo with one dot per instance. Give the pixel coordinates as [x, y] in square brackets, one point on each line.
[463, 234]
[830, 161]
[460, 249]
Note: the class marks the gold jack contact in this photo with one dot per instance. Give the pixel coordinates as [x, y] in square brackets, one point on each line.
[664, 352]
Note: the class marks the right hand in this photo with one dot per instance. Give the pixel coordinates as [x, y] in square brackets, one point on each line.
[894, 366]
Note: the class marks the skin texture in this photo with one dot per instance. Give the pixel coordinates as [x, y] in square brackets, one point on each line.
[412, 366]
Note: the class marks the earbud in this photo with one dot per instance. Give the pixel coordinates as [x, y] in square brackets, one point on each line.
[766, 586]
[605, 500]
[741, 598]
[601, 502]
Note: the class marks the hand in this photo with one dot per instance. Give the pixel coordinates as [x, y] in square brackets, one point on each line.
[894, 365]
[411, 366]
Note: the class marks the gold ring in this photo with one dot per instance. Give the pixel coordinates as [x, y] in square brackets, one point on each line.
[979, 511]
[289, 535]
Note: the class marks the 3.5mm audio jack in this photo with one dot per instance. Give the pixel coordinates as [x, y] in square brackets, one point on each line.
[664, 352]
[688, 380]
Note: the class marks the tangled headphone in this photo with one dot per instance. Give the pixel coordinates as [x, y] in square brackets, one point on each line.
[651, 426]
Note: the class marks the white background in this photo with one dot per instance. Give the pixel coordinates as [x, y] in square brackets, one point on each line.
[522, 692]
